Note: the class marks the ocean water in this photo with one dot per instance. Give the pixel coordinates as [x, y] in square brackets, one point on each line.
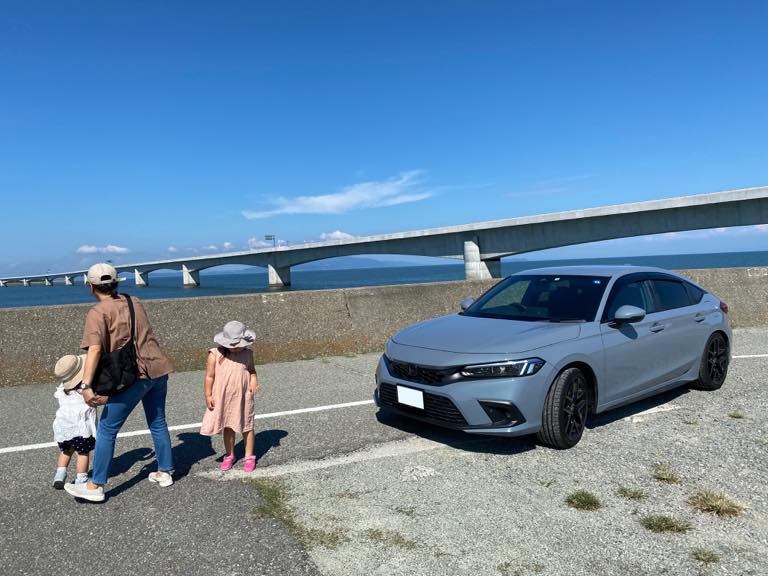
[164, 285]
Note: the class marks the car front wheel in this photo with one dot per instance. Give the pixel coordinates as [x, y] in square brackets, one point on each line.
[565, 410]
[714, 363]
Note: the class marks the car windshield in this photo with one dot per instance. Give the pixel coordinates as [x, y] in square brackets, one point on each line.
[542, 298]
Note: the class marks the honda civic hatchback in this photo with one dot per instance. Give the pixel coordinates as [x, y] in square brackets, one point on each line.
[545, 349]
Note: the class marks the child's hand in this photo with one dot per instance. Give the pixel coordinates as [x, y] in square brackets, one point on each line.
[253, 387]
[209, 402]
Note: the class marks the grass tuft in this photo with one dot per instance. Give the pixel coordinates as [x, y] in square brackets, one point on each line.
[704, 555]
[274, 504]
[661, 523]
[583, 500]
[716, 503]
[737, 414]
[391, 539]
[631, 493]
[690, 420]
[664, 473]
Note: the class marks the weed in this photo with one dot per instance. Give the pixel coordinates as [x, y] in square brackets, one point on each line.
[704, 555]
[409, 511]
[661, 523]
[690, 420]
[631, 493]
[274, 504]
[583, 500]
[511, 569]
[664, 473]
[391, 539]
[352, 494]
[737, 414]
[716, 503]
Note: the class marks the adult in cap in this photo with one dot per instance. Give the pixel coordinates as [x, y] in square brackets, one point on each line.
[107, 328]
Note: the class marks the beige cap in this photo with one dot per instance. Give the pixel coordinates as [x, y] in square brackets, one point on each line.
[102, 273]
[69, 369]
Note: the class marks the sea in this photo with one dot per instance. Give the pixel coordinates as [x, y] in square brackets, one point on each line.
[254, 280]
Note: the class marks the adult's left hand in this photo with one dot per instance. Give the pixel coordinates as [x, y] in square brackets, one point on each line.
[93, 399]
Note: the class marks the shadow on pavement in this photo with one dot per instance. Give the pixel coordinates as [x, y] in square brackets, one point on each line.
[264, 442]
[457, 439]
[632, 409]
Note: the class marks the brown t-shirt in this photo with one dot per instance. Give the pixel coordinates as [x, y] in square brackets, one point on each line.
[109, 323]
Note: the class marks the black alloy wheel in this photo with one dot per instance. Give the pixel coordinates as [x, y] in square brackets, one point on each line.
[566, 409]
[714, 363]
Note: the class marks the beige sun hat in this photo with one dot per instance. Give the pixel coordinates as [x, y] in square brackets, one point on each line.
[69, 370]
[102, 273]
[235, 335]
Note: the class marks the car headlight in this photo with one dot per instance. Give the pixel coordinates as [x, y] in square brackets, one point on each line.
[503, 369]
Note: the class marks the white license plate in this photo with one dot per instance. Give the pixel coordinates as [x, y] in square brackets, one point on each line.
[410, 397]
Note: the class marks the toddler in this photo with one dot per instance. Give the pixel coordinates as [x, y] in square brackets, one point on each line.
[230, 385]
[74, 427]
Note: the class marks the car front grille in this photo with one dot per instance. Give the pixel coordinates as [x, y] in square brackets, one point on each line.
[421, 374]
[436, 407]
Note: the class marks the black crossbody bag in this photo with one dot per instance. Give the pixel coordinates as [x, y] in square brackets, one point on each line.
[119, 369]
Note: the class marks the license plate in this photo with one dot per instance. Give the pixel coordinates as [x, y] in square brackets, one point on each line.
[410, 397]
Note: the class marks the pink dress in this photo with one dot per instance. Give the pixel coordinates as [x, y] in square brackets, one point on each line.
[232, 402]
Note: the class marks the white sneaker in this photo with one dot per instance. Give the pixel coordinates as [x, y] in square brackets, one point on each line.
[163, 479]
[82, 491]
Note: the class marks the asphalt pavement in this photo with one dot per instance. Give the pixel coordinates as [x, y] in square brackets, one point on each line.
[319, 434]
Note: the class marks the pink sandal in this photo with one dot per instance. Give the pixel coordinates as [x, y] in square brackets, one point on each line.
[228, 462]
[249, 464]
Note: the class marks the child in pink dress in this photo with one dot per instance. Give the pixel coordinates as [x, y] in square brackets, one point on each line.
[230, 385]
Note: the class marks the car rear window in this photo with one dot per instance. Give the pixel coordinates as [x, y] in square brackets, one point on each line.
[694, 292]
[553, 298]
[670, 294]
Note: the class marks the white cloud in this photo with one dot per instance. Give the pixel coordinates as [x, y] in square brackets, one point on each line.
[227, 246]
[254, 243]
[211, 247]
[337, 235]
[108, 249]
[374, 194]
[172, 249]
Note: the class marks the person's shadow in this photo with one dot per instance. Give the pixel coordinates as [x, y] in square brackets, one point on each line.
[263, 443]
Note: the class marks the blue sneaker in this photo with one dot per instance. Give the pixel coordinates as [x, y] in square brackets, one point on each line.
[60, 478]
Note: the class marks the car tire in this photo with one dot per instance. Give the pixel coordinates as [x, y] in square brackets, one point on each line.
[566, 408]
[714, 363]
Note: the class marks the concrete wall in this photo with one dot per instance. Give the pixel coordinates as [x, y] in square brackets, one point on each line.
[301, 324]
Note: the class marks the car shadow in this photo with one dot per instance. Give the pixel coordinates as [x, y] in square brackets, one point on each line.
[616, 414]
[457, 439]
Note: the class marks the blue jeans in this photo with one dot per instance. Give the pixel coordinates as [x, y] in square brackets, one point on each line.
[152, 395]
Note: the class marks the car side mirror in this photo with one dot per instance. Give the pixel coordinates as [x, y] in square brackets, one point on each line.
[466, 303]
[627, 314]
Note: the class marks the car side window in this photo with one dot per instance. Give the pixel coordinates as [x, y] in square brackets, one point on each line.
[695, 293]
[670, 294]
[632, 293]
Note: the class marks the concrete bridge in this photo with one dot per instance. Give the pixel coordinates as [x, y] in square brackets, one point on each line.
[480, 245]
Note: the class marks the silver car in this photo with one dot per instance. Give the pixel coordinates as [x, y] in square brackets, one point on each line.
[544, 349]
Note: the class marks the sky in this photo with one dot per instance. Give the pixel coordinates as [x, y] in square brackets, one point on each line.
[142, 130]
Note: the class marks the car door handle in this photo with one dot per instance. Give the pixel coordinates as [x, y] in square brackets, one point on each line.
[699, 317]
[657, 327]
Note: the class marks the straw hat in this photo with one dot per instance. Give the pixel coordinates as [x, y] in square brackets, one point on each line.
[69, 369]
[235, 335]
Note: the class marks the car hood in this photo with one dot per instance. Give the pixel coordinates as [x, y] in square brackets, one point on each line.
[471, 335]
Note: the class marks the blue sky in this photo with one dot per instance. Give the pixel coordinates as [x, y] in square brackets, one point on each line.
[143, 130]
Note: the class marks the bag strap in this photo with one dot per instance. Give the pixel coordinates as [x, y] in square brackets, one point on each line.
[133, 317]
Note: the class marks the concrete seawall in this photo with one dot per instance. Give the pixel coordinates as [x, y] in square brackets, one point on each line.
[301, 324]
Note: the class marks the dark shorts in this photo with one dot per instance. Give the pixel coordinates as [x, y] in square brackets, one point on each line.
[78, 444]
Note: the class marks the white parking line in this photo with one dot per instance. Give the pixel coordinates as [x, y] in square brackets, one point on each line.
[28, 447]
[752, 356]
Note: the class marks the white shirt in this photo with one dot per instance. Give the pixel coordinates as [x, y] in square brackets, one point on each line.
[74, 417]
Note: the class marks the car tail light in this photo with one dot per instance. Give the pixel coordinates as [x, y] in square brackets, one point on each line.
[724, 307]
